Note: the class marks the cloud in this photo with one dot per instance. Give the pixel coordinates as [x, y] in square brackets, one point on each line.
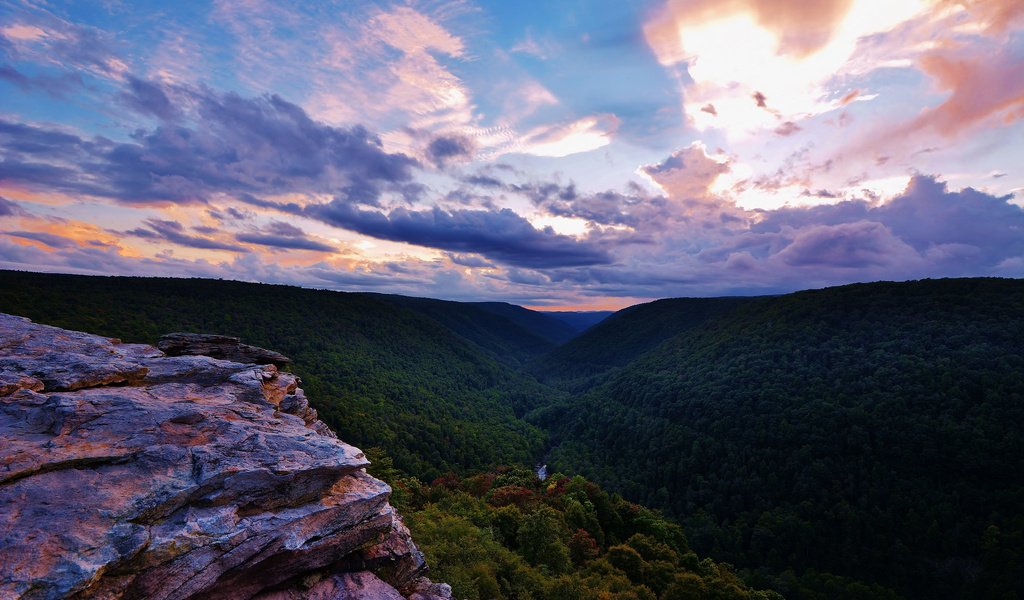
[995, 16]
[582, 135]
[983, 83]
[50, 239]
[284, 242]
[148, 99]
[925, 231]
[928, 218]
[856, 245]
[388, 67]
[445, 148]
[800, 27]
[262, 145]
[786, 129]
[500, 235]
[46, 39]
[469, 260]
[174, 232]
[785, 54]
[542, 49]
[9, 207]
[687, 173]
[284, 236]
[57, 86]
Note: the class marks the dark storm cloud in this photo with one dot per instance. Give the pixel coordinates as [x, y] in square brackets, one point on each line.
[149, 99]
[500, 235]
[262, 145]
[171, 231]
[447, 147]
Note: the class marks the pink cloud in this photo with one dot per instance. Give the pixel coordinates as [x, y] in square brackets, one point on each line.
[996, 16]
[802, 26]
[981, 85]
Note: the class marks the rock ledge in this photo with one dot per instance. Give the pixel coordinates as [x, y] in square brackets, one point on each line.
[126, 473]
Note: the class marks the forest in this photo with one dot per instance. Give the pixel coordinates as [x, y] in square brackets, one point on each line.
[863, 441]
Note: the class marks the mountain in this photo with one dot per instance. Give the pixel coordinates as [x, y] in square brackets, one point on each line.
[861, 441]
[384, 373]
[580, 321]
[202, 471]
[130, 474]
[541, 324]
[507, 333]
[625, 335]
[870, 431]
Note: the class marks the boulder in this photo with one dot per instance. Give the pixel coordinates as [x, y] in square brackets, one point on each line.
[219, 346]
[125, 473]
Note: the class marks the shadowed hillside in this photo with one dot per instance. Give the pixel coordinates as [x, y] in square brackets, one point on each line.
[871, 431]
[862, 441]
[628, 333]
[383, 374]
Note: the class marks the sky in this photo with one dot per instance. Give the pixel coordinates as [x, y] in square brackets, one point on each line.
[558, 155]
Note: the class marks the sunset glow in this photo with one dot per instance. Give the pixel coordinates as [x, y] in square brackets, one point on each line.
[589, 155]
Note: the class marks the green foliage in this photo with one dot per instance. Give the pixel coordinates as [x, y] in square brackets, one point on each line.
[854, 442]
[617, 340]
[379, 372]
[864, 439]
[489, 551]
[509, 334]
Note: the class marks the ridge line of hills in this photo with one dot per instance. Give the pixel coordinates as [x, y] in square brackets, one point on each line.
[850, 442]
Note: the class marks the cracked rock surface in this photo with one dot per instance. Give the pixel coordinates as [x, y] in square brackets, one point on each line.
[125, 473]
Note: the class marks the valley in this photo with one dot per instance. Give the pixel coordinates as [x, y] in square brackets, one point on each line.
[861, 441]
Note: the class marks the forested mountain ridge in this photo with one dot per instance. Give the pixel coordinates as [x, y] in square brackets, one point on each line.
[871, 431]
[383, 374]
[617, 340]
[854, 442]
[580, 321]
[509, 334]
[541, 324]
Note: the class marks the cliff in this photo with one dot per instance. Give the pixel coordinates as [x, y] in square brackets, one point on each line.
[127, 473]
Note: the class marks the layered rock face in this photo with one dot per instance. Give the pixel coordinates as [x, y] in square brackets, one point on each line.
[126, 473]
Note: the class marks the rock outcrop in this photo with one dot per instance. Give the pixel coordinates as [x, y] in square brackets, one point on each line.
[126, 473]
[218, 346]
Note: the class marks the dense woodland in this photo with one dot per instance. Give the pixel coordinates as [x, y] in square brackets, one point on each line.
[507, 534]
[380, 373]
[873, 431]
[855, 442]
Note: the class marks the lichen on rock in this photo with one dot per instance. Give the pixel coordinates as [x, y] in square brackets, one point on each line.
[126, 473]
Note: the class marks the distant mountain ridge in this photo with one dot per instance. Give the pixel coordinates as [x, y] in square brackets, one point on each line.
[620, 338]
[579, 320]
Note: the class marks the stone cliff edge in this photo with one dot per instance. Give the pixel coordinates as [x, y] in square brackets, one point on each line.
[128, 473]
